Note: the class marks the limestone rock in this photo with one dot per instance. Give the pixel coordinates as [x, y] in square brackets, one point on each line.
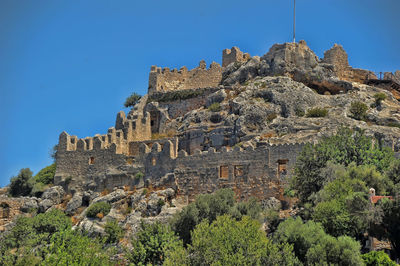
[45, 204]
[29, 205]
[272, 203]
[55, 194]
[92, 227]
[111, 197]
[74, 204]
[216, 97]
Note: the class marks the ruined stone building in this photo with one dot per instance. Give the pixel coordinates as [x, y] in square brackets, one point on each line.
[200, 130]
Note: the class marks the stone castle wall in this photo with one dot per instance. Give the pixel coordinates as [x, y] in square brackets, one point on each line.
[338, 57]
[233, 55]
[164, 80]
[259, 172]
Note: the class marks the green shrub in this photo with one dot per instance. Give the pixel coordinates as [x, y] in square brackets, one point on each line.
[374, 258]
[70, 247]
[46, 175]
[21, 185]
[215, 107]
[393, 124]
[97, 208]
[227, 241]
[358, 110]
[176, 95]
[317, 112]
[138, 176]
[299, 112]
[152, 243]
[379, 97]
[132, 100]
[315, 247]
[114, 232]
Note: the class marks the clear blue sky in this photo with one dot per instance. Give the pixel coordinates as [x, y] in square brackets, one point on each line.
[69, 65]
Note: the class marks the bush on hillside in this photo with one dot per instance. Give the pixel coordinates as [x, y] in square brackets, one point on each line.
[132, 100]
[358, 110]
[21, 185]
[98, 208]
[317, 112]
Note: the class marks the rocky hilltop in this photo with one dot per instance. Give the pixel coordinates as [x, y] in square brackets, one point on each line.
[239, 126]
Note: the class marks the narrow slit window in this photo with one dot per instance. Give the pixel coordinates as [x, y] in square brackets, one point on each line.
[91, 160]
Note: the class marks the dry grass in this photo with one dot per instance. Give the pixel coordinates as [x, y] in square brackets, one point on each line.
[104, 192]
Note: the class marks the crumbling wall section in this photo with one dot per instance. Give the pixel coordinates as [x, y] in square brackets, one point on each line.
[338, 57]
[164, 80]
[234, 55]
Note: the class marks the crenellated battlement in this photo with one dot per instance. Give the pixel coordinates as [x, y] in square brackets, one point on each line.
[164, 79]
[233, 55]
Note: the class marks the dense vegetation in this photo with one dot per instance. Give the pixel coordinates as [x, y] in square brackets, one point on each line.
[25, 184]
[331, 181]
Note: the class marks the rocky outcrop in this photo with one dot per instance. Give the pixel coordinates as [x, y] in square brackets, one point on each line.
[51, 197]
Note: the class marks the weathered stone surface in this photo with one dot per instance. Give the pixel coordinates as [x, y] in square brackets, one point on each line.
[30, 204]
[45, 204]
[111, 197]
[55, 194]
[92, 227]
[272, 203]
[74, 203]
[216, 97]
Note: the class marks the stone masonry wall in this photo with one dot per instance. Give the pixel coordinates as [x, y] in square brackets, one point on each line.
[9, 209]
[233, 55]
[163, 80]
[338, 57]
[259, 172]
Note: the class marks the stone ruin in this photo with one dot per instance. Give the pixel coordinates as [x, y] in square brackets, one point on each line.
[136, 153]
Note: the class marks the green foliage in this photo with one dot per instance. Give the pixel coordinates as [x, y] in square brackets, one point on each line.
[70, 247]
[206, 206]
[344, 148]
[393, 172]
[98, 207]
[314, 247]
[317, 112]
[46, 175]
[139, 175]
[379, 98]
[132, 100]
[21, 185]
[114, 232]
[153, 243]
[377, 258]
[299, 112]
[230, 242]
[25, 240]
[387, 224]
[249, 208]
[215, 107]
[358, 110]
[53, 152]
[176, 95]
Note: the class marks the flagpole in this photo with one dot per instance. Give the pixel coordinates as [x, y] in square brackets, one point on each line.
[294, 22]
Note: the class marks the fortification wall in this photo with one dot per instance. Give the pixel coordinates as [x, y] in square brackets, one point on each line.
[259, 172]
[233, 55]
[10, 208]
[164, 80]
[338, 57]
[78, 160]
